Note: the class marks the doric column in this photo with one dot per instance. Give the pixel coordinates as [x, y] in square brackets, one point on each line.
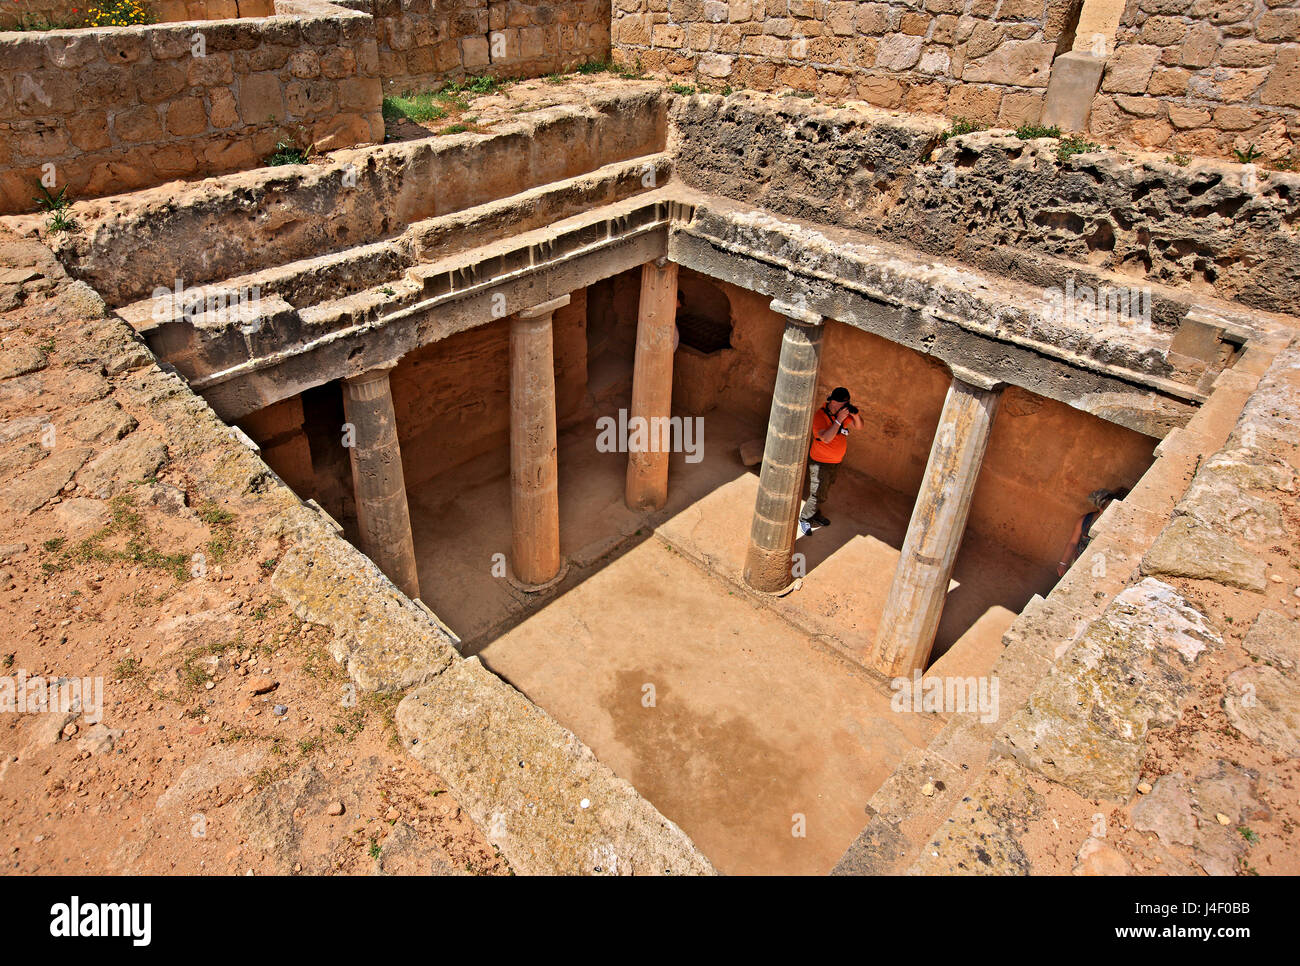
[382, 513]
[652, 381]
[785, 457]
[916, 597]
[534, 473]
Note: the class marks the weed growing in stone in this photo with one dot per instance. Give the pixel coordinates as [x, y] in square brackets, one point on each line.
[1029, 132]
[608, 67]
[57, 205]
[126, 668]
[961, 126]
[119, 13]
[126, 527]
[1247, 156]
[288, 152]
[1072, 145]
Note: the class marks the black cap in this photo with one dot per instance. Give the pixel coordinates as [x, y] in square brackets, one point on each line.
[839, 394]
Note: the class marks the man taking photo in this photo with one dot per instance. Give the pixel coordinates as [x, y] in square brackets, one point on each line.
[830, 440]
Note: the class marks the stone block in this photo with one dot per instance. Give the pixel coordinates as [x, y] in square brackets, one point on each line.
[1075, 77]
[1019, 63]
[186, 117]
[261, 99]
[137, 124]
[1188, 548]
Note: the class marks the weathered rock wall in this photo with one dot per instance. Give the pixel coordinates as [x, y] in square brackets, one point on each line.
[1136, 638]
[1204, 77]
[971, 58]
[109, 110]
[422, 42]
[165, 11]
[118, 109]
[1007, 205]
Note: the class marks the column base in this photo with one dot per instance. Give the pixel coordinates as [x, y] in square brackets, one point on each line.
[768, 571]
[527, 588]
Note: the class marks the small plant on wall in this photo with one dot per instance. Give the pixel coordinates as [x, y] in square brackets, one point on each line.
[119, 13]
[56, 205]
[288, 152]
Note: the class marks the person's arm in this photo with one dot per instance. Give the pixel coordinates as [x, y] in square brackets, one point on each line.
[1068, 558]
[832, 430]
[856, 419]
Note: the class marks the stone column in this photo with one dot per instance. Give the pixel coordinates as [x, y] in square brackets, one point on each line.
[652, 380]
[916, 597]
[785, 456]
[382, 513]
[534, 474]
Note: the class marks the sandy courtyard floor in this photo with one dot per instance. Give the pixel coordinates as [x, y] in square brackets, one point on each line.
[747, 720]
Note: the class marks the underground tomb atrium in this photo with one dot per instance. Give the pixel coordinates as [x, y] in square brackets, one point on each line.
[427, 394]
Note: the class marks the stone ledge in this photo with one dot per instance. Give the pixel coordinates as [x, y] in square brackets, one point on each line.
[385, 640]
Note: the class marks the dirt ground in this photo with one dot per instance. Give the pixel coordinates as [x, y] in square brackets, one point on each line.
[229, 740]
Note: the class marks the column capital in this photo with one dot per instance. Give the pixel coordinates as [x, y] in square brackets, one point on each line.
[975, 379]
[796, 313]
[372, 374]
[546, 308]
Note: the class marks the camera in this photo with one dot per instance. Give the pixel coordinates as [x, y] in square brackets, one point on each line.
[851, 408]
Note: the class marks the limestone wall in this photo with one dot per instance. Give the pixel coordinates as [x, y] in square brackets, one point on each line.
[423, 41]
[167, 11]
[118, 109]
[129, 245]
[987, 60]
[1199, 77]
[1204, 77]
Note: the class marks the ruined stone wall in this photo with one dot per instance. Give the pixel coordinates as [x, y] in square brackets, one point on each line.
[129, 245]
[423, 42]
[987, 60]
[1009, 206]
[1204, 77]
[452, 398]
[166, 11]
[119, 109]
[1043, 460]
[115, 110]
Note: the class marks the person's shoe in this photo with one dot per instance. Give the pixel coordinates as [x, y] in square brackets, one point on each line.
[805, 528]
[820, 520]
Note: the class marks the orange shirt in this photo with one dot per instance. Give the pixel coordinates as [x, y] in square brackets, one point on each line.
[832, 452]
